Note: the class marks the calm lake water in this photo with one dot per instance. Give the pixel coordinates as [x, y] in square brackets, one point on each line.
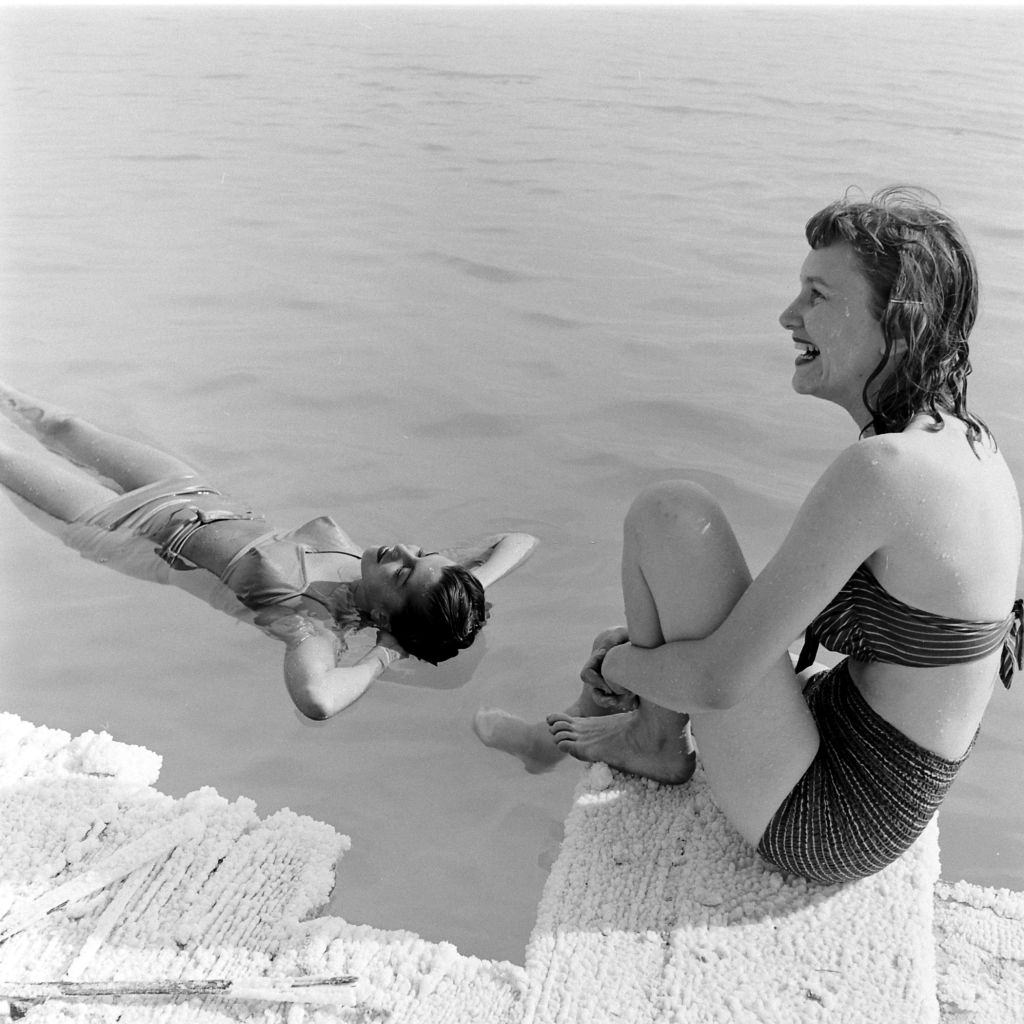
[445, 272]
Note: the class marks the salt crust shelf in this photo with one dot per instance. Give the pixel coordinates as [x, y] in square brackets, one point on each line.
[655, 911]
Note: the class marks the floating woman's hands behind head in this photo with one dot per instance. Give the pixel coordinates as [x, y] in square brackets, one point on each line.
[432, 606]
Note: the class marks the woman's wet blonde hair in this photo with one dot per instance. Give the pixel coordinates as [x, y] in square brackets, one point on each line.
[924, 283]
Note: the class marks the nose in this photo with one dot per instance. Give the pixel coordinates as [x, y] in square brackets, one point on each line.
[789, 317]
[405, 553]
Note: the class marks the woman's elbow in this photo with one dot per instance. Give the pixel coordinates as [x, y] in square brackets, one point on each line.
[523, 543]
[312, 705]
[314, 710]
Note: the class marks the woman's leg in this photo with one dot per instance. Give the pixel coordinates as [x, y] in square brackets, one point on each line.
[49, 482]
[129, 463]
[646, 740]
[682, 573]
[532, 742]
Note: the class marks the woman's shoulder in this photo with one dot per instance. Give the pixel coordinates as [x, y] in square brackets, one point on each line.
[882, 460]
[873, 461]
[944, 494]
[926, 451]
[918, 476]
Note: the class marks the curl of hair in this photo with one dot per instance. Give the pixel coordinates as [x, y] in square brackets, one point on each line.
[446, 621]
[924, 284]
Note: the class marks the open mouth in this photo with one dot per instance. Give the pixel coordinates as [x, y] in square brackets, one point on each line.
[806, 353]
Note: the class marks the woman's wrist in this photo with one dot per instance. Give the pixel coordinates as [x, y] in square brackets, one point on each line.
[294, 630]
[616, 664]
[385, 655]
[299, 636]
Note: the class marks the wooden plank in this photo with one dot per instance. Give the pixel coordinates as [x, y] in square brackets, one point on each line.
[312, 989]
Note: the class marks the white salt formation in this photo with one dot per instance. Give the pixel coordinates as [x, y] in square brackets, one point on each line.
[979, 942]
[655, 911]
[677, 919]
[105, 880]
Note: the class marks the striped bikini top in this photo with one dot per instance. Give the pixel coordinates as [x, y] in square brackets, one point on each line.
[866, 622]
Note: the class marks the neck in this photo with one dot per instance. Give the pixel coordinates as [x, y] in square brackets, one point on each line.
[350, 601]
[357, 595]
[861, 415]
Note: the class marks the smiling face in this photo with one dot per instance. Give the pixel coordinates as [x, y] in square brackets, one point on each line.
[838, 337]
[395, 575]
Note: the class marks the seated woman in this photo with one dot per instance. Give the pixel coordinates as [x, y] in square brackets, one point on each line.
[305, 584]
[904, 557]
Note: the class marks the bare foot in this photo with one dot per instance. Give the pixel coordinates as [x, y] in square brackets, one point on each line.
[530, 742]
[655, 746]
[44, 422]
[14, 403]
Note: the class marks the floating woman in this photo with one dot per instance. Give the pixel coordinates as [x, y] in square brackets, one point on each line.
[904, 557]
[305, 585]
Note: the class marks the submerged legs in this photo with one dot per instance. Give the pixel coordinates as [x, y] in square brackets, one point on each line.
[129, 463]
[49, 482]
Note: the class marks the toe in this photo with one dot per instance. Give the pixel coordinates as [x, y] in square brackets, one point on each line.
[561, 731]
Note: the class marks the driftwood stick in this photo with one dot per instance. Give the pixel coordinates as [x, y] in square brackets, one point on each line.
[312, 989]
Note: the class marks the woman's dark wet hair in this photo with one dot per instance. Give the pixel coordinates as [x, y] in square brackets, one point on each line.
[925, 286]
[447, 621]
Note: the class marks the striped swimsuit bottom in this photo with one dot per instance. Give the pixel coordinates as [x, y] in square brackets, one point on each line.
[870, 790]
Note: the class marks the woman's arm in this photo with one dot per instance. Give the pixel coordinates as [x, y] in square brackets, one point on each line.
[499, 555]
[319, 687]
[856, 508]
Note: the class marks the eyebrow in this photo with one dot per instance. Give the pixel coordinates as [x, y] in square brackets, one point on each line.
[412, 569]
[813, 279]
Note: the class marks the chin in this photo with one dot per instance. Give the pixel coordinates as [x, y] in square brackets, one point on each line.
[806, 381]
[801, 386]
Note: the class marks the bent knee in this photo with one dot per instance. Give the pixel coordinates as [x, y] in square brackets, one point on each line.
[675, 506]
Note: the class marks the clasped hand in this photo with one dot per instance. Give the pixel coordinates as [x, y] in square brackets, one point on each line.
[387, 642]
[605, 693]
